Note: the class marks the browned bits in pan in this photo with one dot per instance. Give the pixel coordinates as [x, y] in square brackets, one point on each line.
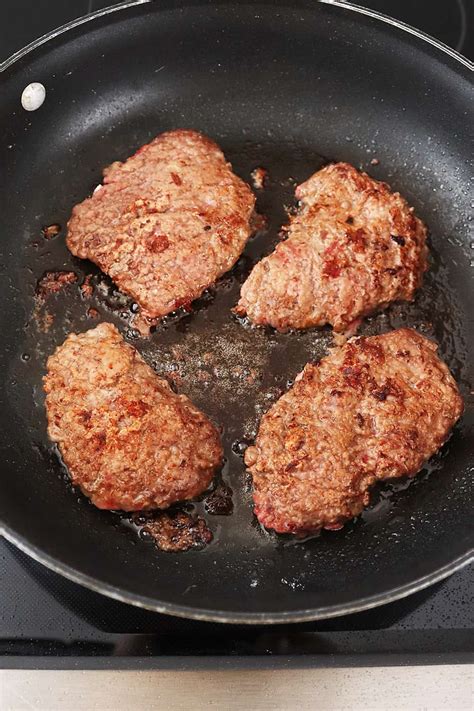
[86, 287]
[259, 176]
[53, 282]
[51, 231]
[177, 531]
[219, 501]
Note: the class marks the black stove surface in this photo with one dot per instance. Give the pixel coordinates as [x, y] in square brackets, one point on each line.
[47, 621]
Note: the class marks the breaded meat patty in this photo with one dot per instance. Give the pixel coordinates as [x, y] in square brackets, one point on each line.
[126, 438]
[377, 408]
[166, 223]
[353, 247]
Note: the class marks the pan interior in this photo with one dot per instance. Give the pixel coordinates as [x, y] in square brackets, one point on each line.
[286, 91]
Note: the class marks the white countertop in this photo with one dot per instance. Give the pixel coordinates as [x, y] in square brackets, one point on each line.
[421, 688]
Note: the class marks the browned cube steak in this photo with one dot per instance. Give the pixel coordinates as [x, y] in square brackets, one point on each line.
[166, 223]
[353, 247]
[377, 408]
[127, 439]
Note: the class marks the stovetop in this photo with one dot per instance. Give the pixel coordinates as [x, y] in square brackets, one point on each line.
[47, 621]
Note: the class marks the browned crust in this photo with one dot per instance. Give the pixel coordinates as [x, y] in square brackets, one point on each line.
[127, 439]
[166, 223]
[377, 408]
[353, 247]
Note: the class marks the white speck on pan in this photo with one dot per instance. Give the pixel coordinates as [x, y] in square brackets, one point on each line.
[33, 96]
[293, 584]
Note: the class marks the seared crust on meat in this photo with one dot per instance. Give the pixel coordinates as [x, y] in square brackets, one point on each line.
[166, 223]
[127, 439]
[377, 408]
[353, 247]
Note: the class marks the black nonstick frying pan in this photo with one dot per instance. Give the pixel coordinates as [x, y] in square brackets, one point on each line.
[286, 87]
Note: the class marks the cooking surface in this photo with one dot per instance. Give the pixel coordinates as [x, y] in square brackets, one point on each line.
[55, 617]
[234, 372]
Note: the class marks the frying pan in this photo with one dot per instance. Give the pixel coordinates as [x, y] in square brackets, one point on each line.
[287, 88]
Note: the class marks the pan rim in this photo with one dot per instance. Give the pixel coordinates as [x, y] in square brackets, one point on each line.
[125, 4]
[250, 618]
[310, 614]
